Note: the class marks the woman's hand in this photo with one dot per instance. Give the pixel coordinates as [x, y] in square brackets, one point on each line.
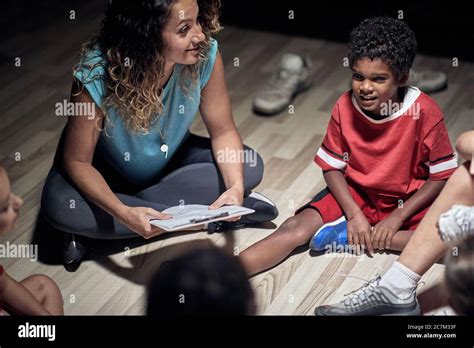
[138, 220]
[383, 232]
[358, 231]
[233, 196]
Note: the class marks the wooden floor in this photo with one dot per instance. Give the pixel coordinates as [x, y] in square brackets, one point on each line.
[114, 281]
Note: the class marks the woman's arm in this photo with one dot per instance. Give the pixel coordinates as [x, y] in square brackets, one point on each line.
[17, 299]
[217, 115]
[82, 133]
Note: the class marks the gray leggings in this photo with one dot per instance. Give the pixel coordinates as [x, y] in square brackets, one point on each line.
[192, 177]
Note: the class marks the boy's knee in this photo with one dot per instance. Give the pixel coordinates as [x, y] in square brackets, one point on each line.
[42, 284]
[297, 230]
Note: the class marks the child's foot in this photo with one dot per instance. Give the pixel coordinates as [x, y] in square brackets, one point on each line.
[330, 233]
[372, 299]
[456, 223]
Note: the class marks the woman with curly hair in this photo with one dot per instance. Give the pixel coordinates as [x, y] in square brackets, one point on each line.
[153, 65]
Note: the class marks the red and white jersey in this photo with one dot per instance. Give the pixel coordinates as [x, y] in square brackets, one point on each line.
[393, 156]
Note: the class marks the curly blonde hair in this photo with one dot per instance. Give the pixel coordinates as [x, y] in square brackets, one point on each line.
[132, 30]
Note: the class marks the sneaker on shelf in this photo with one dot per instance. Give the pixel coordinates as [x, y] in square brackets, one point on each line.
[265, 210]
[293, 76]
[330, 233]
[456, 223]
[371, 299]
[428, 81]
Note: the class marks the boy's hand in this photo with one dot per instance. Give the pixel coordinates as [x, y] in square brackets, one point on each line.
[383, 232]
[358, 231]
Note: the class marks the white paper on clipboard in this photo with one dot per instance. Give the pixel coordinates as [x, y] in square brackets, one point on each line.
[185, 216]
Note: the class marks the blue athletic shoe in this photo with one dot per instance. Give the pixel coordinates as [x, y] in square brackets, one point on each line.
[334, 232]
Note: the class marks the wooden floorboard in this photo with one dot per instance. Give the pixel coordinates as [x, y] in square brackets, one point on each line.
[115, 283]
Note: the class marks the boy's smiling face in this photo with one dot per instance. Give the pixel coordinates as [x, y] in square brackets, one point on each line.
[374, 84]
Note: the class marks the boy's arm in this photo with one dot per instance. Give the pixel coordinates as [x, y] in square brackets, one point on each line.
[17, 299]
[358, 228]
[337, 184]
[384, 231]
[424, 196]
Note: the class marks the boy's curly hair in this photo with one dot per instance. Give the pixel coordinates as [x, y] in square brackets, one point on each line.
[132, 30]
[384, 38]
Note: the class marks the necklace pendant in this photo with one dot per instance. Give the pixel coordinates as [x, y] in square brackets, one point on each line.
[164, 149]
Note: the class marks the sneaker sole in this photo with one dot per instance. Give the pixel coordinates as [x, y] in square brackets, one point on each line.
[416, 311]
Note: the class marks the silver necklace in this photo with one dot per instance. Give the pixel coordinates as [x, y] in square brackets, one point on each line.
[164, 147]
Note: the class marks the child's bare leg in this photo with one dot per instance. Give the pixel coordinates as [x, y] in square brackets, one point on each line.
[268, 252]
[425, 246]
[45, 290]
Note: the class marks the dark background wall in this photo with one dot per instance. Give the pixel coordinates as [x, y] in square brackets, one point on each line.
[443, 28]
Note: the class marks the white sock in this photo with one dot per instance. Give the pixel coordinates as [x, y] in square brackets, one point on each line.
[400, 280]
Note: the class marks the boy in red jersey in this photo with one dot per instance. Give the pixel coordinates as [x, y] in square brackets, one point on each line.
[385, 157]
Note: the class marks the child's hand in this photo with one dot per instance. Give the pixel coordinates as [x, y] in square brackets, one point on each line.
[358, 231]
[383, 232]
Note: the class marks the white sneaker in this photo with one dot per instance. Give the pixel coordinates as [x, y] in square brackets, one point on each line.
[456, 223]
[372, 299]
[292, 77]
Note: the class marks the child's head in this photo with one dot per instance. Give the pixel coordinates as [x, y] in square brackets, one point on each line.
[9, 204]
[201, 282]
[459, 277]
[381, 53]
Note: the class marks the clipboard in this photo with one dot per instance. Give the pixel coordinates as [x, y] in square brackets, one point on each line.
[191, 215]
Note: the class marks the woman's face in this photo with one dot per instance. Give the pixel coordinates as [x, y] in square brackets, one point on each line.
[183, 34]
[9, 204]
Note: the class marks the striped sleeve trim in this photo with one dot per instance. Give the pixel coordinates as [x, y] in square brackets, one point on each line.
[329, 151]
[442, 159]
[333, 162]
[441, 167]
